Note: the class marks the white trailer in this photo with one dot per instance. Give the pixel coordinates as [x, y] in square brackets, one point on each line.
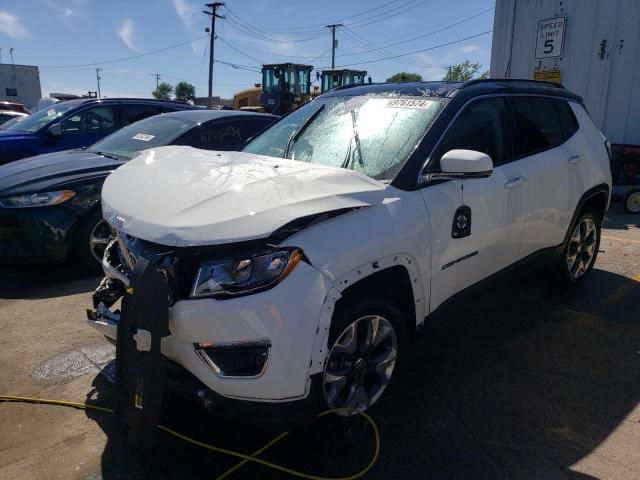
[592, 47]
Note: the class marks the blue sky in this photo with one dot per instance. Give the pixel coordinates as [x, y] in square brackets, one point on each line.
[65, 38]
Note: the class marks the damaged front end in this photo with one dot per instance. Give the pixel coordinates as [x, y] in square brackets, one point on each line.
[118, 263]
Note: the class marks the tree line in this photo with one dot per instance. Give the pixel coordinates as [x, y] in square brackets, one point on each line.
[458, 73]
[182, 92]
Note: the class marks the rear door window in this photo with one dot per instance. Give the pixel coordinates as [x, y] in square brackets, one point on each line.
[483, 126]
[537, 125]
[134, 112]
[98, 120]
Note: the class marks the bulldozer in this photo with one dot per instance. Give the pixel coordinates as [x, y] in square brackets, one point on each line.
[285, 86]
[330, 79]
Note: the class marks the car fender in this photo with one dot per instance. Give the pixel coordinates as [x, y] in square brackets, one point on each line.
[351, 247]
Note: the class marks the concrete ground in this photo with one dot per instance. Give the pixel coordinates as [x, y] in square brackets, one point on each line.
[519, 381]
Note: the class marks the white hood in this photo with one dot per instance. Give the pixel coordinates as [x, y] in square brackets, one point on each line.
[184, 196]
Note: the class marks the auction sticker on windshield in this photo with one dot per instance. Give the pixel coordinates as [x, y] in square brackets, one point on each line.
[145, 137]
[409, 103]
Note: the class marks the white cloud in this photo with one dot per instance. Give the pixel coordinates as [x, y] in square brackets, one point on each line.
[188, 12]
[469, 48]
[66, 10]
[10, 24]
[126, 31]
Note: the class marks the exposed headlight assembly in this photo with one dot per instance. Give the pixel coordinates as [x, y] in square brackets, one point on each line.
[37, 199]
[241, 276]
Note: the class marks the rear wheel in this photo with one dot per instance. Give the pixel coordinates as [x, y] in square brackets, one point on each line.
[631, 202]
[581, 250]
[91, 239]
[364, 341]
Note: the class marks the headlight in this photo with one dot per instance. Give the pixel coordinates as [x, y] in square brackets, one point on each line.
[237, 277]
[37, 199]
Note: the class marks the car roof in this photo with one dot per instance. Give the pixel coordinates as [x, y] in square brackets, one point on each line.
[206, 115]
[80, 101]
[449, 89]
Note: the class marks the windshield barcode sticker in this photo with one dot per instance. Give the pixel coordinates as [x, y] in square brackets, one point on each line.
[409, 103]
[145, 137]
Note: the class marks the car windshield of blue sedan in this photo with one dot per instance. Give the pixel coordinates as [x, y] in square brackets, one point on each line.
[373, 135]
[151, 132]
[35, 122]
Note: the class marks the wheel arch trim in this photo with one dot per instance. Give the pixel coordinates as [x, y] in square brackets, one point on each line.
[353, 277]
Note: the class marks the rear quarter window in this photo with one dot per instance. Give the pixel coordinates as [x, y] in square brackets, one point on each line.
[537, 125]
[219, 135]
[567, 118]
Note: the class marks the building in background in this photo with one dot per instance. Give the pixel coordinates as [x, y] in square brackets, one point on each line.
[223, 102]
[20, 83]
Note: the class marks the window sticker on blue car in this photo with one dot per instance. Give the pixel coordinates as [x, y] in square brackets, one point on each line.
[145, 137]
[409, 103]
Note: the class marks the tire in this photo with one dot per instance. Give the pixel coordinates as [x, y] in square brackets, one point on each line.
[580, 252]
[358, 371]
[631, 202]
[90, 239]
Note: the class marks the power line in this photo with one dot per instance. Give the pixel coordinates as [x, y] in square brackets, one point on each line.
[253, 49]
[240, 51]
[472, 17]
[386, 15]
[418, 51]
[116, 60]
[363, 43]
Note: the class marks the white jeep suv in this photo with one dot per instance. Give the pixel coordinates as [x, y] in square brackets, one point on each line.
[298, 267]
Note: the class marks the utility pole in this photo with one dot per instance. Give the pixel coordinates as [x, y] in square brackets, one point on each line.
[98, 79]
[157, 81]
[214, 7]
[333, 43]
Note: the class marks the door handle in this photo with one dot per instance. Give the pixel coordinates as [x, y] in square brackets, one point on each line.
[573, 159]
[515, 182]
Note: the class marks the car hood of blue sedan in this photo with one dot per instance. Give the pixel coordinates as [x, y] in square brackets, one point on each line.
[44, 172]
[7, 135]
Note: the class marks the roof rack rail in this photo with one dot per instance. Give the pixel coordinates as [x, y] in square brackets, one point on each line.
[511, 80]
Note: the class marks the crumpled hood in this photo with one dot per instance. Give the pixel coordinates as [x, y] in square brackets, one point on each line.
[43, 172]
[183, 196]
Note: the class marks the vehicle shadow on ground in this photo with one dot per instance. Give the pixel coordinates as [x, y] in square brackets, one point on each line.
[44, 280]
[618, 219]
[516, 381]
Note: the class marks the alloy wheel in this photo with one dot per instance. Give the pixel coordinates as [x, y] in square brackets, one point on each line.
[582, 248]
[633, 202]
[99, 238]
[360, 363]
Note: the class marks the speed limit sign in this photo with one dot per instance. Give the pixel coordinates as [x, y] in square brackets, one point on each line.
[550, 37]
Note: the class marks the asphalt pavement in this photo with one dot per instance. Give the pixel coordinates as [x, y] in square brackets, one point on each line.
[520, 380]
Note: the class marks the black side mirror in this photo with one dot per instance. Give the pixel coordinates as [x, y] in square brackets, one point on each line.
[55, 130]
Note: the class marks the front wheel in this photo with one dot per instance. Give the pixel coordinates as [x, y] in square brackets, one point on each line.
[365, 340]
[91, 239]
[580, 253]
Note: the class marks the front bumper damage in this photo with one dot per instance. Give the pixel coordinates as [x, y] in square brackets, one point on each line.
[257, 347]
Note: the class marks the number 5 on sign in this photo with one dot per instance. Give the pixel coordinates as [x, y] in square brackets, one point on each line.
[550, 37]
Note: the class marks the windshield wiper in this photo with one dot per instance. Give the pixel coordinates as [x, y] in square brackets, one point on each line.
[112, 156]
[296, 134]
[356, 137]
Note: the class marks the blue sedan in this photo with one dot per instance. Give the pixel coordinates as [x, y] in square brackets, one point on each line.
[76, 124]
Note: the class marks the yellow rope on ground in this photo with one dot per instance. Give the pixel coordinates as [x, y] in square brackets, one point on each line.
[245, 458]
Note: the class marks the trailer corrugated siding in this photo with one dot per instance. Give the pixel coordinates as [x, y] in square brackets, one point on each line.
[600, 58]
